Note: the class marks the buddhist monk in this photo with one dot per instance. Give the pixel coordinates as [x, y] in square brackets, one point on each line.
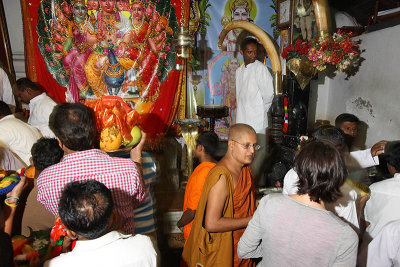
[226, 205]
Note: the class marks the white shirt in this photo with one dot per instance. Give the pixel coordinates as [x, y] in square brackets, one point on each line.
[383, 205]
[254, 94]
[384, 250]
[344, 207]
[40, 108]
[6, 93]
[18, 136]
[112, 249]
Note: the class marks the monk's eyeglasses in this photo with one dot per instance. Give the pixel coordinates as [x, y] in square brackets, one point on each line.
[256, 147]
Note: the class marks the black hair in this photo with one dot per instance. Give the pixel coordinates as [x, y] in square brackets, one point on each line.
[330, 134]
[73, 124]
[321, 172]
[392, 157]
[4, 109]
[247, 41]
[46, 152]
[86, 208]
[344, 117]
[210, 141]
[24, 83]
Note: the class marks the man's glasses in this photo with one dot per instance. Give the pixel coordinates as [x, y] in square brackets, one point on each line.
[256, 147]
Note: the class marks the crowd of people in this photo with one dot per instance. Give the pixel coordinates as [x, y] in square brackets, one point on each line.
[104, 203]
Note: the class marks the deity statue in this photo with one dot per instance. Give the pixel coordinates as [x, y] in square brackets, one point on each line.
[76, 50]
[107, 32]
[142, 46]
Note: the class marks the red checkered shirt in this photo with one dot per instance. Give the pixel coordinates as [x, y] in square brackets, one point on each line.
[120, 175]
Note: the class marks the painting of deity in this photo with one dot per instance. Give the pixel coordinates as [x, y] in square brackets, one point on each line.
[220, 73]
[304, 20]
[107, 47]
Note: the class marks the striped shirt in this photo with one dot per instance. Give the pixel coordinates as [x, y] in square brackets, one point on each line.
[145, 213]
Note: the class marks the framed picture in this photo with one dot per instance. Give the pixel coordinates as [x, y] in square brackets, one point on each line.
[284, 13]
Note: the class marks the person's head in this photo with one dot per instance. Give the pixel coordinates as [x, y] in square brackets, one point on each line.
[348, 123]
[25, 90]
[45, 153]
[92, 4]
[137, 10]
[392, 158]
[248, 49]
[331, 135]
[107, 6]
[206, 143]
[242, 143]
[74, 126]
[4, 109]
[321, 172]
[79, 10]
[86, 208]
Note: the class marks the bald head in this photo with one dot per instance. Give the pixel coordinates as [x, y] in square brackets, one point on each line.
[238, 130]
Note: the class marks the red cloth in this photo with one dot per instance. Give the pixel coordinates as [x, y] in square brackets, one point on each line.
[120, 175]
[244, 204]
[155, 119]
[193, 191]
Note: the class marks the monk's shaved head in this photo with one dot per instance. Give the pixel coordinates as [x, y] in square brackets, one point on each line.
[238, 130]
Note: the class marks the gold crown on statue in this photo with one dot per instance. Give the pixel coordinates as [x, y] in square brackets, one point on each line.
[240, 3]
[137, 2]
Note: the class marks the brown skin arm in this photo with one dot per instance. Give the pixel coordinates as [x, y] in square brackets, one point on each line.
[214, 222]
[186, 218]
[378, 148]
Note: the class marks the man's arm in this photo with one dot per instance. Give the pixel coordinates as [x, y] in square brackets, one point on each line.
[214, 222]
[365, 158]
[186, 218]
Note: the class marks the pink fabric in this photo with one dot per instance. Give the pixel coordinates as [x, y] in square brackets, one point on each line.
[120, 175]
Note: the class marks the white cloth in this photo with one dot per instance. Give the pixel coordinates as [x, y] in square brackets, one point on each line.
[6, 93]
[254, 94]
[112, 249]
[384, 250]
[18, 136]
[383, 204]
[40, 108]
[360, 159]
[344, 207]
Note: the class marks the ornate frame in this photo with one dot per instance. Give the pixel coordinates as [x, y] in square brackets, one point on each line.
[5, 45]
[288, 23]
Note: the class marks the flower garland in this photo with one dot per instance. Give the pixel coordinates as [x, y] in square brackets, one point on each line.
[337, 50]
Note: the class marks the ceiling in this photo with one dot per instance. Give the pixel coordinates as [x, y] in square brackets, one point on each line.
[361, 10]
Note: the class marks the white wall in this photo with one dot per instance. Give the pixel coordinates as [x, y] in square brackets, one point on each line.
[12, 9]
[373, 94]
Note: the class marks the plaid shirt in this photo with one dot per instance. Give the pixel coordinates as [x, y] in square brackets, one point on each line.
[120, 175]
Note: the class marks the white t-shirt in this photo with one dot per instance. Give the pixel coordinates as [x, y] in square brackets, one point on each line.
[18, 136]
[6, 93]
[112, 249]
[384, 250]
[40, 108]
[254, 94]
[383, 204]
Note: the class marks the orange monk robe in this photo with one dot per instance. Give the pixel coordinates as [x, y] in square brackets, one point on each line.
[244, 204]
[219, 249]
[193, 191]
